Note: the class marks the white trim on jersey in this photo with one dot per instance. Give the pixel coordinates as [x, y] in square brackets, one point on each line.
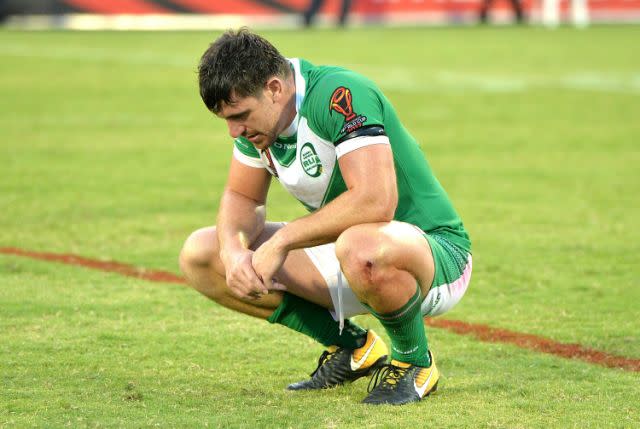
[292, 129]
[247, 160]
[301, 87]
[356, 143]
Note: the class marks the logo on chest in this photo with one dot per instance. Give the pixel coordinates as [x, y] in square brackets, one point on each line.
[310, 160]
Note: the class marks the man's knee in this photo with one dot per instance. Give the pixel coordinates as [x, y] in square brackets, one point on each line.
[201, 252]
[363, 254]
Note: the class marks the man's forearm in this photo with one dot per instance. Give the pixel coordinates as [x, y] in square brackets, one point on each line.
[240, 222]
[369, 198]
[326, 224]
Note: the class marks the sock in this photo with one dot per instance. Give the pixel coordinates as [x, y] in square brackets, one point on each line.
[405, 328]
[316, 322]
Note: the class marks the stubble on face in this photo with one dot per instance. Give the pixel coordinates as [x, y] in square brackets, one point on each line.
[263, 116]
[257, 115]
[267, 128]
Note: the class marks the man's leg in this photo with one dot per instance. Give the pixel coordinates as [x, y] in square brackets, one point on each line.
[484, 11]
[390, 268]
[312, 10]
[201, 264]
[344, 12]
[304, 308]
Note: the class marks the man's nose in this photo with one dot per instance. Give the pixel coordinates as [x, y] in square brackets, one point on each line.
[236, 129]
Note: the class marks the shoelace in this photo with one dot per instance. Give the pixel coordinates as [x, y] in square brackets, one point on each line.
[324, 357]
[386, 375]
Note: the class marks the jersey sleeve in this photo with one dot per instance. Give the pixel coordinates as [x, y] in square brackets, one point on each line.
[246, 153]
[350, 112]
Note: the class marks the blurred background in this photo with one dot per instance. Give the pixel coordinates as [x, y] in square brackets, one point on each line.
[107, 153]
[208, 14]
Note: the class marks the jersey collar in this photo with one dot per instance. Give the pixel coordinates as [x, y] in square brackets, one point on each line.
[301, 86]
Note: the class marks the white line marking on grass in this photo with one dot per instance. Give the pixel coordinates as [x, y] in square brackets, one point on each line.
[404, 79]
[604, 83]
[63, 119]
[412, 80]
[97, 55]
[482, 83]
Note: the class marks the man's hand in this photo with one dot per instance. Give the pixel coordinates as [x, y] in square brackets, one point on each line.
[267, 260]
[242, 279]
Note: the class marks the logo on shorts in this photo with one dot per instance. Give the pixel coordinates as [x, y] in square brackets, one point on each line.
[342, 102]
[310, 160]
[437, 301]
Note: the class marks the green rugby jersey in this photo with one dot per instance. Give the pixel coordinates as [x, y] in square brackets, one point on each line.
[339, 111]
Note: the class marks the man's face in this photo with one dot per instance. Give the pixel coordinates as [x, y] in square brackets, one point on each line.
[255, 118]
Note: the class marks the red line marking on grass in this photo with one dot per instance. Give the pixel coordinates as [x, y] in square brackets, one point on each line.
[109, 266]
[481, 332]
[536, 343]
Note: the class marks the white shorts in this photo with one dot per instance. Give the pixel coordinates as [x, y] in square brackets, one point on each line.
[439, 300]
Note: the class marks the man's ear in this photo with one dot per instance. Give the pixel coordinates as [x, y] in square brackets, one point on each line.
[275, 88]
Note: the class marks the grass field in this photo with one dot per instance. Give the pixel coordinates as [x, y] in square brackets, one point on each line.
[107, 152]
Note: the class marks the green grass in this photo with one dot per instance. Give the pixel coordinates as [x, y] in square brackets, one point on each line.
[106, 151]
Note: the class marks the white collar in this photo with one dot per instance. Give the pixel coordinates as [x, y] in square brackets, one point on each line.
[301, 86]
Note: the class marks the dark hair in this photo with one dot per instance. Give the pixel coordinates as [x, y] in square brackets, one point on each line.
[238, 63]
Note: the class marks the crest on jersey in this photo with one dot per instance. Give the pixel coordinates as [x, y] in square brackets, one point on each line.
[342, 102]
[310, 160]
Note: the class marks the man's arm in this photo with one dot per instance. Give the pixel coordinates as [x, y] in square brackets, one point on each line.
[241, 219]
[371, 196]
